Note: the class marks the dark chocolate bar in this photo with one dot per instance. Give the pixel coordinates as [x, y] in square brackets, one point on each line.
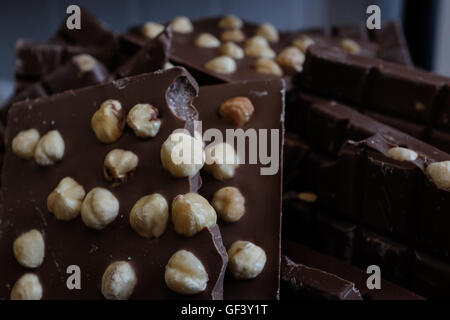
[261, 222]
[313, 259]
[431, 277]
[302, 282]
[73, 243]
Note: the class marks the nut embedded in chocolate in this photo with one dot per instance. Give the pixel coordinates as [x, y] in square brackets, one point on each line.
[232, 50]
[143, 119]
[85, 62]
[303, 43]
[185, 273]
[99, 208]
[230, 22]
[258, 47]
[268, 31]
[191, 213]
[235, 35]
[268, 66]
[229, 204]
[149, 216]
[50, 149]
[108, 121]
[221, 161]
[152, 29]
[222, 64]
[25, 142]
[237, 111]
[207, 40]
[402, 154]
[118, 281]
[291, 57]
[182, 25]
[65, 201]
[28, 287]
[308, 197]
[29, 249]
[119, 165]
[182, 155]
[439, 173]
[350, 46]
[246, 260]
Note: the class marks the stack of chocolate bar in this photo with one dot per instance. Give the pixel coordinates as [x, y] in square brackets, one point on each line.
[95, 204]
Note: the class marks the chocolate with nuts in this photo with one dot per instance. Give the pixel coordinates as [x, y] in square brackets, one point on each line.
[103, 234]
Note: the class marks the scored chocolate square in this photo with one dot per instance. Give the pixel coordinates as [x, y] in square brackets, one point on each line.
[26, 187]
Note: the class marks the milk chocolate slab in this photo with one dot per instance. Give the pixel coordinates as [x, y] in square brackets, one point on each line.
[27, 186]
[261, 221]
[313, 259]
[431, 277]
[302, 282]
[393, 258]
[152, 57]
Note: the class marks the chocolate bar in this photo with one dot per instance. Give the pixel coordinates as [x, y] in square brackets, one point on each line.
[313, 259]
[409, 99]
[431, 277]
[260, 223]
[302, 282]
[82, 242]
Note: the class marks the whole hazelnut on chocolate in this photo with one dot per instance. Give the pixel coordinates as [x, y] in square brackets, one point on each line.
[230, 22]
[291, 57]
[108, 121]
[185, 274]
[50, 149]
[258, 47]
[182, 25]
[28, 287]
[99, 208]
[152, 29]
[303, 43]
[65, 201]
[118, 281]
[221, 64]
[207, 40]
[232, 50]
[221, 161]
[439, 173]
[268, 31]
[246, 260]
[143, 119]
[351, 46]
[237, 110]
[191, 213]
[268, 66]
[119, 164]
[402, 154]
[25, 142]
[229, 204]
[29, 249]
[235, 35]
[149, 216]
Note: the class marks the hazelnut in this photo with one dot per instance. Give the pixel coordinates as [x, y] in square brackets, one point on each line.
[143, 119]
[152, 29]
[402, 154]
[85, 62]
[235, 35]
[25, 142]
[222, 64]
[119, 164]
[49, 149]
[28, 287]
[118, 281]
[232, 50]
[191, 213]
[108, 121]
[439, 173]
[350, 46]
[221, 161]
[246, 260]
[99, 208]
[308, 197]
[65, 201]
[185, 273]
[268, 31]
[257, 41]
[231, 22]
[258, 47]
[303, 43]
[182, 155]
[207, 40]
[291, 57]
[267, 66]
[29, 249]
[182, 25]
[149, 216]
[229, 204]
[237, 111]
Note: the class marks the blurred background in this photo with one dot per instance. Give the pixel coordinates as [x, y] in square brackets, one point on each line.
[425, 21]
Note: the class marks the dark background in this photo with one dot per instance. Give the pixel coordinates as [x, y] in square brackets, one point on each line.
[38, 20]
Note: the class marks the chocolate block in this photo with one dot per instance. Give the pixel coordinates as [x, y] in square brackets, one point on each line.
[73, 243]
[261, 221]
[431, 277]
[394, 259]
[302, 282]
[414, 129]
[152, 57]
[295, 153]
[313, 259]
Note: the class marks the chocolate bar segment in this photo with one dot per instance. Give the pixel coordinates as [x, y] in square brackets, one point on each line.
[261, 222]
[73, 243]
